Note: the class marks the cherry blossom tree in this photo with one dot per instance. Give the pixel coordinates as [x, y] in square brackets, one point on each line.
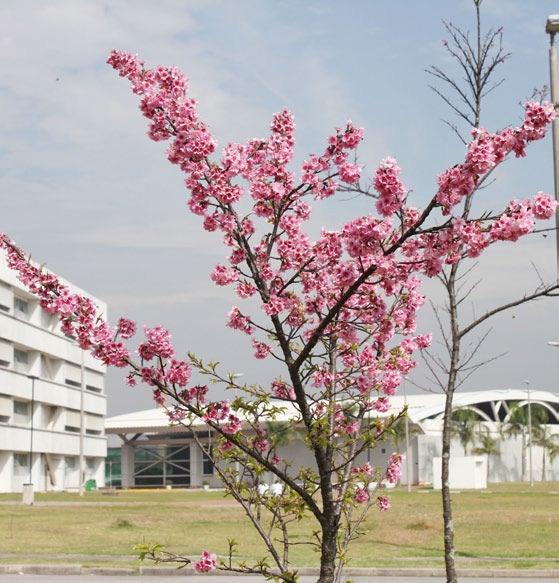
[338, 313]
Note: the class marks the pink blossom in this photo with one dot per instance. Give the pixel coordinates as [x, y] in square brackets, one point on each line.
[261, 349]
[224, 275]
[383, 503]
[538, 116]
[178, 373]
[349, 173]
[126, 328]
[387, 183]
[382, 405]
[233, 425]
[516, 221]
[131, 380]
[239, 322]
[245, 289]
[158, 343]
[206, 563]
[543, 206]
[361, 495]
[393, 468]
[366, 470]
[424, 340]
[217, 411]
[282, 390]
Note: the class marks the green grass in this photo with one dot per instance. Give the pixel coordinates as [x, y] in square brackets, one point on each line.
[511, 526]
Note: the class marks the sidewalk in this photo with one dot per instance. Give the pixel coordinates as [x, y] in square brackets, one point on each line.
[241, 579]
[360, 575]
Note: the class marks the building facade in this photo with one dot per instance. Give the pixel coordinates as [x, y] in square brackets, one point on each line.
[155, 453]
[52, 398]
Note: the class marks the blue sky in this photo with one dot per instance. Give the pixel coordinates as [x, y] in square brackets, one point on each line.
[87, 192]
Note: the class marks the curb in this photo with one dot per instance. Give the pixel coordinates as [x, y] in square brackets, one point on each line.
[61, 570]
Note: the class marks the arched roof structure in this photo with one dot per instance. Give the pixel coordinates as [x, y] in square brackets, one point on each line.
[425, 410]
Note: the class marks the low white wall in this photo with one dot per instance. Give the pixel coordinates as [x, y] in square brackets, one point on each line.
[468, 472]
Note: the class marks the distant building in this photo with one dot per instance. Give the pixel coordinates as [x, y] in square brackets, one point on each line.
[41, 397]
[155, 453]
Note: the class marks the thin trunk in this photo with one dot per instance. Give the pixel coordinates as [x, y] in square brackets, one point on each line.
[328, 553]
[543, 465]
[450, 565]
[445, 486]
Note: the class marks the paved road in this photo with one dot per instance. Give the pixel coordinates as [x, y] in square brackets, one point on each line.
[241, 579]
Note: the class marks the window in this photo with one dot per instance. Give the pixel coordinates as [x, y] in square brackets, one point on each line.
[21, 412]
[21, 356]
[47, 368]
[21, 307]
[6, 408]
[21, 360]
[6, 353]
[21, 463]
[73, 421]
[52, 414]
[6, 298]
[207, 465]
[70, 464]
[160, 466]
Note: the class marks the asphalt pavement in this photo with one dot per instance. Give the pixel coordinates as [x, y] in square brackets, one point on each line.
[245, 579]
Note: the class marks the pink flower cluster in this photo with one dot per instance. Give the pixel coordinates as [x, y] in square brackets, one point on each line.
[487, 150]
[282, 390]
[393, 469]
[392, 193]
[518, 218]
[206, 563]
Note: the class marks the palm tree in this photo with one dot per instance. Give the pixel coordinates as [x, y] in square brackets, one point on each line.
[548, 442]
[487, 446]
[517, 424]
[398, 432]
[464, 423]
[281, 433]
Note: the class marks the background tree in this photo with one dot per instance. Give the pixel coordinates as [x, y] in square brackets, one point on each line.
[487, 445]
[398, 432]
[549, 443]
[338, 313]
[518, 424]
[478, 58]
[464, 424]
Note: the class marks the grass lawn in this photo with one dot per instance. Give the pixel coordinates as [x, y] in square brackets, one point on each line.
[510, 526]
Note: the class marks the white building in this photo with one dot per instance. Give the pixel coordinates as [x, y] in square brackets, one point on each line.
[155, 453]
[41, 397]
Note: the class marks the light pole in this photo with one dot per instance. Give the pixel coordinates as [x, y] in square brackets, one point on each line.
[527, 383]
[552, 27]
[408, 453]
[82, 428]
[28, 494]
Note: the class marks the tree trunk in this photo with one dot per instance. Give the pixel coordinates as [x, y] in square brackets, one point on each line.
[450, 565]
[328, 554]
[445, 488]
